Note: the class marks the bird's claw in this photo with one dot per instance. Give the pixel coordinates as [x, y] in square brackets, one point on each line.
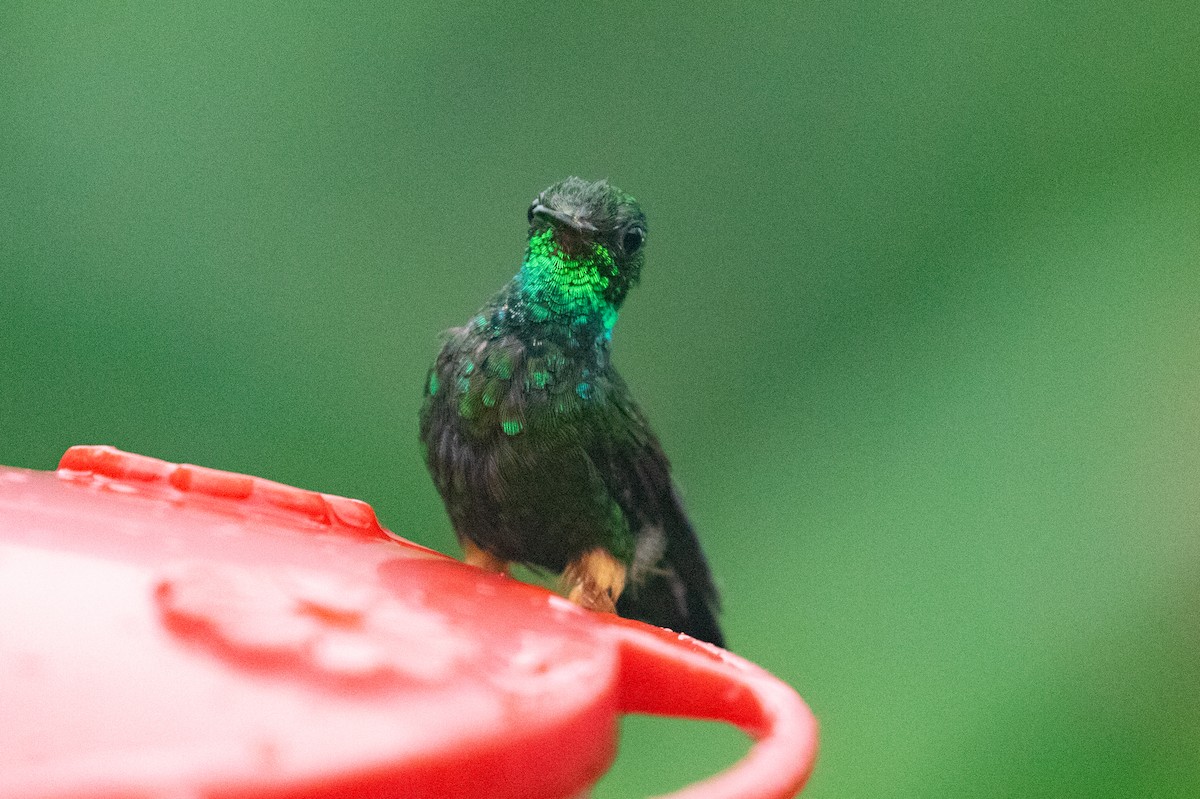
[595, 580]
[593, 597]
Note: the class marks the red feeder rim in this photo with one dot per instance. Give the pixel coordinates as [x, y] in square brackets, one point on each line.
[171, 630]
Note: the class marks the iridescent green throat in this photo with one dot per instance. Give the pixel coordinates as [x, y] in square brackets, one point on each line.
[559, 287]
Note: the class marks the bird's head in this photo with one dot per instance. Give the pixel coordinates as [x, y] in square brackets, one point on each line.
[585, 247]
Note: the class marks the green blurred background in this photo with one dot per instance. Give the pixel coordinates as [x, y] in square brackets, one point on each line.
[918, 326]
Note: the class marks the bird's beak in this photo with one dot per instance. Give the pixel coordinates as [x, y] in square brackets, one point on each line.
[563, 218]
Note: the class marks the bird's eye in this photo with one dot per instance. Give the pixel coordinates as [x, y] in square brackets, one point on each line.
[631, 240]
[529, 213]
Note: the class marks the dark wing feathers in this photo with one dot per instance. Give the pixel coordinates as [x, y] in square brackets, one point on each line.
[670, 584]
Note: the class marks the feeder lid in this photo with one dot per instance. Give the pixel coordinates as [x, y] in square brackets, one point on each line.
[171, 630]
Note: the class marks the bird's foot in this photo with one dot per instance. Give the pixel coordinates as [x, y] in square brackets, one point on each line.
[473, 555]
[595, 580]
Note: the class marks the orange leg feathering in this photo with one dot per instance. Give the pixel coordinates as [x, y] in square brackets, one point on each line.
[474, 556]
[595, 580]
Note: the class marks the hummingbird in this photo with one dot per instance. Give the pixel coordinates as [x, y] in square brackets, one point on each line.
[539, 451]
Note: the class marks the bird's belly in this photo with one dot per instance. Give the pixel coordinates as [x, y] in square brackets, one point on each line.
[535, 502]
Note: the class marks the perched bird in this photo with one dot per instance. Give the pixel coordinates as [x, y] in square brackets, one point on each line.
[540, 454]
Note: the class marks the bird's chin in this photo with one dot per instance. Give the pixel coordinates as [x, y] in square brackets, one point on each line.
[572, 243]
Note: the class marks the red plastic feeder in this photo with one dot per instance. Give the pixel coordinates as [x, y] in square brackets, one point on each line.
[175, 631]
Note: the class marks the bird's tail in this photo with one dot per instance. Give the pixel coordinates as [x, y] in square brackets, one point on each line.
[677, 591]
[659, 600]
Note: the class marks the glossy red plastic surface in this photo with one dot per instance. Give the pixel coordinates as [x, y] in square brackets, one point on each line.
[170, 630]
